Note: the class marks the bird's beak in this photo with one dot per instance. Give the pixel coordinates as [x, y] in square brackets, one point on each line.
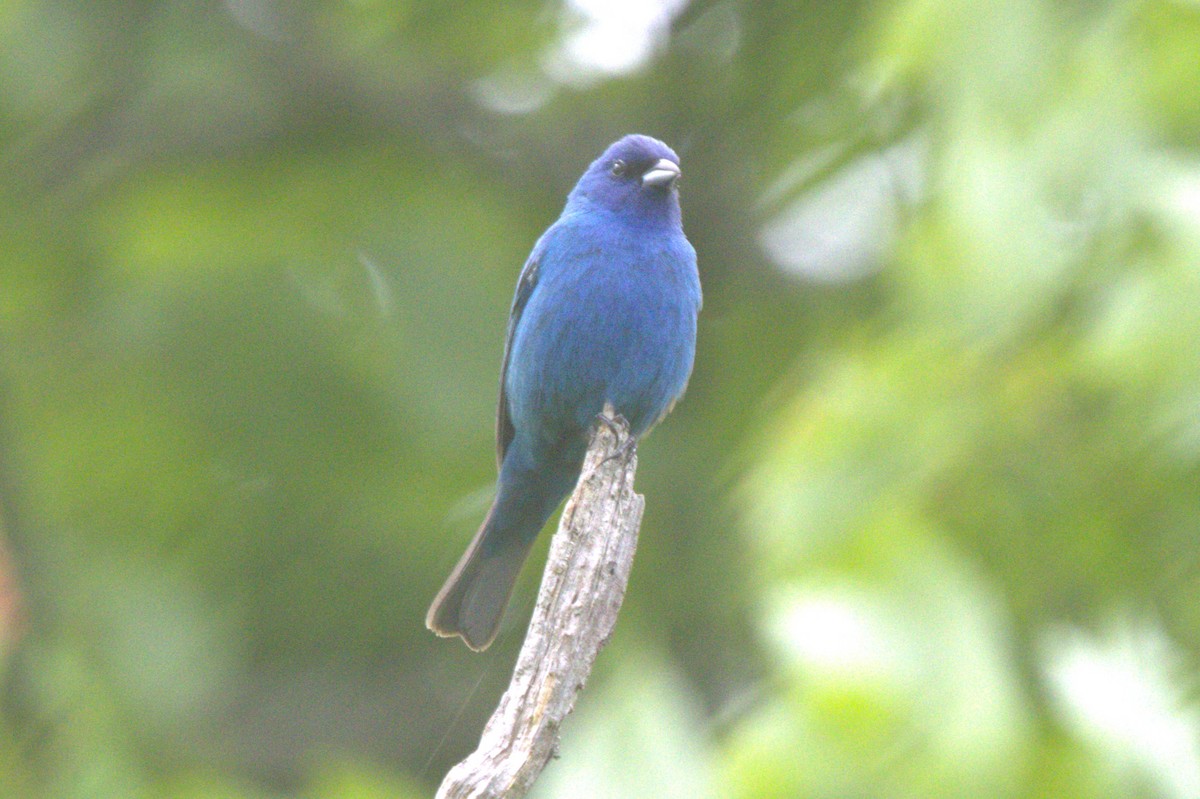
[664, 173]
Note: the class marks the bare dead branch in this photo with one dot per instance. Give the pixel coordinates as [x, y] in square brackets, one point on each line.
[582, 588]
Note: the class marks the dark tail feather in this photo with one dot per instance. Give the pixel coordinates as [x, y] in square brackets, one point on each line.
[471, 603]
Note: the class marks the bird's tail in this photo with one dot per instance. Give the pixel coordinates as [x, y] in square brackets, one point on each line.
[472, 602]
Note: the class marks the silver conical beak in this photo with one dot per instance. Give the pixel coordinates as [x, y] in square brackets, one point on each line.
[664, 173]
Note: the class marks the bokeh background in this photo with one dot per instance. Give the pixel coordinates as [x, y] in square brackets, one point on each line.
[926, 525]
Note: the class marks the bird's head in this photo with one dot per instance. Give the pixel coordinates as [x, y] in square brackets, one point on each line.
[636, 176]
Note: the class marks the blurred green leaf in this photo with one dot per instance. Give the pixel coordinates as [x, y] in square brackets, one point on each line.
[929, 505]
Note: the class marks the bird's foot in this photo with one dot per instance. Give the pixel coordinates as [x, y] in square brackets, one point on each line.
[623, 452]
[619, 426]
[615, 422]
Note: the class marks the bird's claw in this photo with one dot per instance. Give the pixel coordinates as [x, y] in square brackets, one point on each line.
[627, 448]
[619, 426]
[614, 422]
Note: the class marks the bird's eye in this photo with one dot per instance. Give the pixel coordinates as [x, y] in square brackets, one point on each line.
[617, 169]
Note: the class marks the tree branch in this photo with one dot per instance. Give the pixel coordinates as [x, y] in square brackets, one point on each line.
[583, 585]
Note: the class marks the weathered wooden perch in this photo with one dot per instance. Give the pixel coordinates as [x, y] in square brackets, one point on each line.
[583, 585]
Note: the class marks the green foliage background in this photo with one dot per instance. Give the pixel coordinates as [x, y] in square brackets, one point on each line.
[926, 525]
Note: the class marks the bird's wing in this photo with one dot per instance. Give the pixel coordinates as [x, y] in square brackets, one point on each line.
[525, 285]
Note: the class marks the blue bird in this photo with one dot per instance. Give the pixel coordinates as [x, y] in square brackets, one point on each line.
[604, 313]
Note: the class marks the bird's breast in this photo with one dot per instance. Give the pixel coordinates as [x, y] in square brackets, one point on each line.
[616, 323]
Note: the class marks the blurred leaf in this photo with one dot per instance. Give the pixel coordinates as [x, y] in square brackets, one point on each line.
[639, 735]
[257, 263]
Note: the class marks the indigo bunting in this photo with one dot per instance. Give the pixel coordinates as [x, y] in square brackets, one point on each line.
[604, 314]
